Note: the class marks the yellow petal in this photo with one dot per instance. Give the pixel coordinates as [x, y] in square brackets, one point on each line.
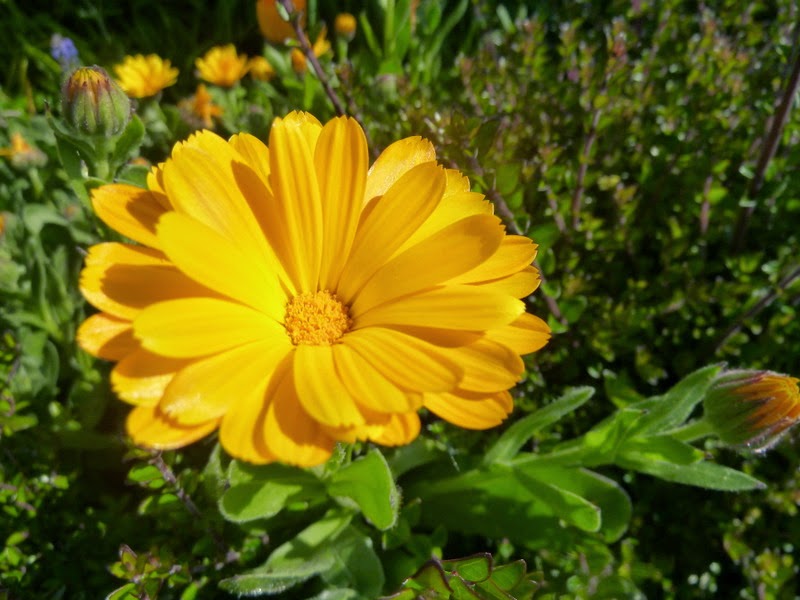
[148, 427]
[520, 285]
[194, 327]
[121, 279]
[141, 377]
[367, 385]
[294, 182]
[488, 366]
[242, 430]
[450, 307]
[210, 182]
[468, 413]
[528, 333]
[132, 211]
[402, 429]
[207, 388]
[254, 153]
[341, 160]
[290, 433]
[408, 362]
[453, 250]
[390, 223]
[397, 159]
[320, 389]
[515, 253]
[106, 337]
[445, 338]
[216, 262]
[308, 124]
[453, 207]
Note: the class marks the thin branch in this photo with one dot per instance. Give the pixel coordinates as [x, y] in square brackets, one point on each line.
[577, 196]
[737, 325]
[778, 122]
[305, 46]
[183, 496]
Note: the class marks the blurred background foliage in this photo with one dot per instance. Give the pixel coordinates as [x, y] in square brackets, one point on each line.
[623, 137]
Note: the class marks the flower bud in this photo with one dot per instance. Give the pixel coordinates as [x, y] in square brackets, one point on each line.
[93, 104]
[345, 26]
[752, 409]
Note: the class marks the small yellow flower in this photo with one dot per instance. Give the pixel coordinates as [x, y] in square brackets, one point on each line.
[277, 294]
[144, 76]
[22, 154]
[345, 25]
[272, 26]
[199, 110]
[260, 68]
[320, 47]
[752, 408]
[222, 66]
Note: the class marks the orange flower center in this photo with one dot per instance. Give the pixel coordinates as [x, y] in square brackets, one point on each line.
[316, 319]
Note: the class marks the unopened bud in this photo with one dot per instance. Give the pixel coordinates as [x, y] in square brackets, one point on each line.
[93, 104]
[752, 409]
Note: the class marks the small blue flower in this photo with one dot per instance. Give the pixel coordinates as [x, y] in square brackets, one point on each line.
[64, 51]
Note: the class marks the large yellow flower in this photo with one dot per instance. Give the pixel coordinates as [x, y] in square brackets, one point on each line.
[222, 66]
[293, 297]
[144, 76]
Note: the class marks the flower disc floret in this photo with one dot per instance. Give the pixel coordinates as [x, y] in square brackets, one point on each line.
[292, 296]
[316, 318]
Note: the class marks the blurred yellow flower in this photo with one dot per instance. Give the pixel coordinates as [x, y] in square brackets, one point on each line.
[345, 25]
[277, 294]
[199, 110]
[752, 408]
[222, 66]
[22, 154]
[320, 47]
[144, 76]
[260, 68]
[272, 26]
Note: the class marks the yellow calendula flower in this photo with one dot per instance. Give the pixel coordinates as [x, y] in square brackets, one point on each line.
[144, 76]
[260, 68]
[22, 154]
[345, 25]
[222, 66]
[292, 296]
[199, 110]
[272, 26]
[321, 46]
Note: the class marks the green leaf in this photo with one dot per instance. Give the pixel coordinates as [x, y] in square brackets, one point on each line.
[297, 550]
[660, 448]
[672, 409]
[566, 505]
[506, 577]
[602, 442]
[461, 591]
[257, 500]
[293, 562]
[368, 482]
[519, 433]
[472, 568]
[126, 592]
[611, 499]
[128, 143]
[702, 474]
[355, 564]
